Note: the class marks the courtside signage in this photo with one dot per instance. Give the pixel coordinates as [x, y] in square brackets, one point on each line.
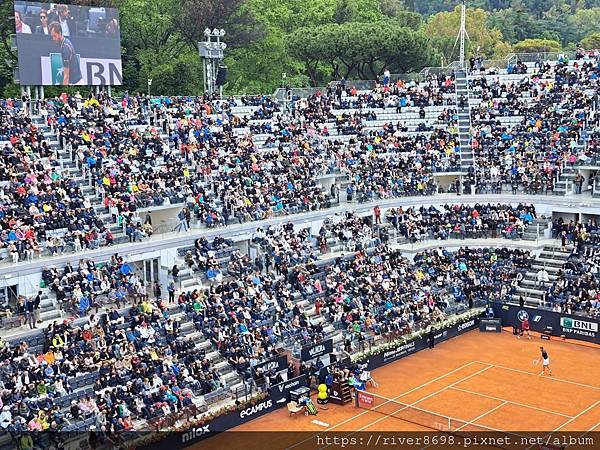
[398, 352]
[466, 326]
[364, 398]
[577, 326]
[272, 365]
[195, 433]
[256, 408]
[573, 327]
[313, 351]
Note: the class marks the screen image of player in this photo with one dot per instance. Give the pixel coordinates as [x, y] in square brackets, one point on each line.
[61, 44]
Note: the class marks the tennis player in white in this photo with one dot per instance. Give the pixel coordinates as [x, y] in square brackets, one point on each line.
[545, 361]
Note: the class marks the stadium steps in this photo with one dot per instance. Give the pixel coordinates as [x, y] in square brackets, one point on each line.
[531, 278]
[565, 180]
[555, 254]
[530, 283]
[464, 120]
[531, 232]
[528, 292]
[550, 269]
[553, 260]
[549, 262]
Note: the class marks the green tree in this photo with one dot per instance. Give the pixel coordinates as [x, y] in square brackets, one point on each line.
[443, 27]
[395, 9]
[191, 17]
[537, 45]
[360, 49]
[171, 74]
[591, 41]
[258, 68]
[515, 24]
[147, 30]
[357, 11]
[584, 22]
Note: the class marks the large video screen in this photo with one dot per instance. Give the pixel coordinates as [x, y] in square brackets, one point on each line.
[61, 44]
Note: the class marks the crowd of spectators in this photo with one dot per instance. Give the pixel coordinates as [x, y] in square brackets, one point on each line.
[461, 221]
[88, 286]
[576, 289]
[259, 161]
[136, 153]
[550, 109]
[41, 204]
[373, 292]
[383, 292]
[136, 366]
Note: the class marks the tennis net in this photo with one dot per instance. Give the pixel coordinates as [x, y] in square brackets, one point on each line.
[414, 414]
[419, 416]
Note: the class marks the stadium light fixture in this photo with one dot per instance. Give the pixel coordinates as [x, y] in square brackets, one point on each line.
[211, 53]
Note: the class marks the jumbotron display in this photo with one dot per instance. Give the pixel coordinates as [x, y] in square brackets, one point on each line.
[60, 44]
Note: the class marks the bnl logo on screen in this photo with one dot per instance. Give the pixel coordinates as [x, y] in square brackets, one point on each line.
[93, 70]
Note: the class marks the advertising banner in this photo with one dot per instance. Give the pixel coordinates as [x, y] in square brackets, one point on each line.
[275, 364]
[61, 44]
[540, 320]
[364, 399]
[316, 350]
[277, 399]
[490, 325]
[401, 350]
[280, 393]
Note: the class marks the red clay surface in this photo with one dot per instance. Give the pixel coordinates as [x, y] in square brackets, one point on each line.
[483, 379]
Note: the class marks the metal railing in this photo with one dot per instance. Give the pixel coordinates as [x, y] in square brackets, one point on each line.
[539, 56]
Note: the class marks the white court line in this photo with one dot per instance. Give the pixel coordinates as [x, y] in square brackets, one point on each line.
[510, 401]
[414, 403]
[320, 423]
[549, 435]
[474, 420]
[588, 431]
[547, 378]
[367, 412]
[470, 422]
[578, 415]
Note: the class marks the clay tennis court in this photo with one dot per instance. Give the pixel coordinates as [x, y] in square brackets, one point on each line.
[486, 381]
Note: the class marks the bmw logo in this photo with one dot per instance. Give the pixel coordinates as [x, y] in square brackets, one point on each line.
[522, 315]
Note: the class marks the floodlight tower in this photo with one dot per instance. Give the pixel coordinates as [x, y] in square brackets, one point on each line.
[462, 34]
[211, 53]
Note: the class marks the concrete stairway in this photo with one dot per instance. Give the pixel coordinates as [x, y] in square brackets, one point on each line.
[69, 169]
[565, 181]
[464, 120]
[533, 232]
[227, 373]
[553, 259]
